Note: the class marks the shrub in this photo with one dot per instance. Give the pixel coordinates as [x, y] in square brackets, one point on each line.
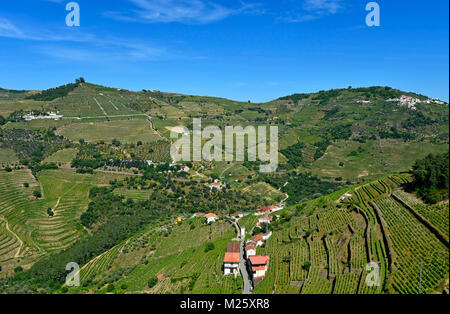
[209, 247]
[152, 282]
[18, 269]
[306, 265]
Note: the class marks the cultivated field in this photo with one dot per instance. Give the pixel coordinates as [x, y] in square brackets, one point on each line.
[126, 131]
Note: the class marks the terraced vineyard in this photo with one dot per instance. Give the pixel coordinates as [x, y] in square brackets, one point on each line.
[86, 100]
[9, 243]
[100, 263]
[178, 259]
[329, 250]
[420, 260]
[32, 227]
[16, 206]
[438, 215]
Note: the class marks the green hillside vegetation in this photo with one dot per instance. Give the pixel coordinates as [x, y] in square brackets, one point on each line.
[53, 93]
[364, 180]
[431, 177]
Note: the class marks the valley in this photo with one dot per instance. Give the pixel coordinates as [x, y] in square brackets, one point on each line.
[96, 185]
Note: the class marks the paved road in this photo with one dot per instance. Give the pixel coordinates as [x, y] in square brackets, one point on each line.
[242, 265]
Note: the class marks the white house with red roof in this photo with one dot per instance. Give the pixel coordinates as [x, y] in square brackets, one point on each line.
[258, 265]
[266, 236]
[253, 243]
[180, 166]
[211, 218]
[250, 248]
[215, 186]
[275, 208]
[264, 220]
[231, 263]
[268, 209]
[237, 214]
[263, 210]
[232, 259]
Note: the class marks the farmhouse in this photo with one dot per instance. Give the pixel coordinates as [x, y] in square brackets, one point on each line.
[198, 215]
[258, 265]
[266, 236]
[232, 259]
[253, 243]
[237, 215]
[250, 249]
[211, 218]
[262, 210]
[264, 220]
[179, 166]
[275, 208]
[268, 209]
[215, 186]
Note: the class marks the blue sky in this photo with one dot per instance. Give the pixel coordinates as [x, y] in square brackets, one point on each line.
[241, 49]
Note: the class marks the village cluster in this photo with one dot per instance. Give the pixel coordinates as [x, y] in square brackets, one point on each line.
[408, 101]
[241, 256]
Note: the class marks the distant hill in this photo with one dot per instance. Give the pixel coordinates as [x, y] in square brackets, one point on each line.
[342, 132]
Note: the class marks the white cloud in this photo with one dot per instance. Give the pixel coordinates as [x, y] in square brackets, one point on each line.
[323, 6]
[182, 11]
[64, 44]
[8, 29]
[309, 10]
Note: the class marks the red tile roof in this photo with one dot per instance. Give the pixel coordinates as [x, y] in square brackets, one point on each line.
[211, 215]
[233, 247]
[259, 259]
[232, 257]
[250, 245]
[267, 208]
[258, 237]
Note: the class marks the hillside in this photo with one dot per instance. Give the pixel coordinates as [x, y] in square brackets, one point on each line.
[340, 130]
[86, 176]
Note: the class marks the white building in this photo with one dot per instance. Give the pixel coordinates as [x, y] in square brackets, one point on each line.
[211, 218]
[259, 266]
[51, 116]
[231, 263]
